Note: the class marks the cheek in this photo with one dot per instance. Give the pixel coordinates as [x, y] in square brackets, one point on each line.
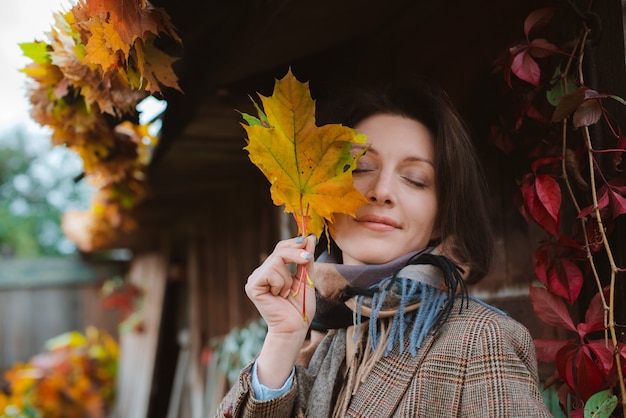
[359, 184]
[426, 213]
[338, 226]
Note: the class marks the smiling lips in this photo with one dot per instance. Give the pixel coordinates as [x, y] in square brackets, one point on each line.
[377, 223]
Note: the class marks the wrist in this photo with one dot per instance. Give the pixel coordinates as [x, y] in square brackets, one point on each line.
[277, 357]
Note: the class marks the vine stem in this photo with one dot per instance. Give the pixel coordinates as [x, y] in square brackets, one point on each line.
[609, 317]
[583, 222]
[580, 46]
[614, 268]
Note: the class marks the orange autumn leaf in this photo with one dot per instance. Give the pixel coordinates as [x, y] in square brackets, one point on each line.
[309, 167]
[104, 44]
[121, 38]
[131, 19]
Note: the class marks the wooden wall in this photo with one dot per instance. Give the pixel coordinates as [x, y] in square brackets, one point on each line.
[43, 298]
[194, 291]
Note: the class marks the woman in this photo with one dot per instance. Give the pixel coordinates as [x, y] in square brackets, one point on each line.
[394, 332]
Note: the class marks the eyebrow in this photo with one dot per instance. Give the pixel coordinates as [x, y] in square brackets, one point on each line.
[410, 158]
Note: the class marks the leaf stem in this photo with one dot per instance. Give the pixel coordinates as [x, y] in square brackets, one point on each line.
[303, 278]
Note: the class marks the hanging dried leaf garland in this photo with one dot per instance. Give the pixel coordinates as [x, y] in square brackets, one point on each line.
[98, 63]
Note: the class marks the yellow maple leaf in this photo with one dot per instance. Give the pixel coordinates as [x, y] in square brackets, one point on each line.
[104, 44]
[155, 67]
[309, 167]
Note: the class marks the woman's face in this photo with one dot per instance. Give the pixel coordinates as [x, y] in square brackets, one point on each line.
[397, 176]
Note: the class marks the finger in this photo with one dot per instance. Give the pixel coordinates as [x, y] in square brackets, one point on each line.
[274, 275]
[291, 252]
[297, 242]
[310, 243]
[271, 277]
[291, 255]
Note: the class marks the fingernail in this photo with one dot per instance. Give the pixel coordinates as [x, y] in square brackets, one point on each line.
[300, 239]
[306, 255]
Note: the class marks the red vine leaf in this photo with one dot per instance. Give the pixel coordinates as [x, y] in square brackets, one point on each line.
[611, 200]
[561, 276]
[588, 113]
[545, 161]
[523, 65]
[542, 201]
[568, 278]
[603, 202]
[585, 367]
[551, 309]
[603, 355]
[541, 48]
[585, 104]
[526, 68]
[549, 194]
[595, 310]
[546, 350]
[568, 104]
[616, 191]
[538, 18]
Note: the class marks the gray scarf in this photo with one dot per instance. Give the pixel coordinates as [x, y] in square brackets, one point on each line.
[416, 291]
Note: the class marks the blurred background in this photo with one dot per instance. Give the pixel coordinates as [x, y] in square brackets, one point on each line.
[47, 289]
[37, 182]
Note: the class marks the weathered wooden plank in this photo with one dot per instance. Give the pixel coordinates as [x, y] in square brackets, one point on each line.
[138, 354]
[196, 325]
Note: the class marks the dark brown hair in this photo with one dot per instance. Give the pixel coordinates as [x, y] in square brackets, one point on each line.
[461, 187]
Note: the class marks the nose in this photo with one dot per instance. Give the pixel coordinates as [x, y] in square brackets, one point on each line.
[380, 191]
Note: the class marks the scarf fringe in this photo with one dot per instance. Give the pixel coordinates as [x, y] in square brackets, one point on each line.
[420, 321]
[420, 307]
[376, 337]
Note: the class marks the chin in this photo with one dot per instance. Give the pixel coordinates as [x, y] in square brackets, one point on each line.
[376, 258]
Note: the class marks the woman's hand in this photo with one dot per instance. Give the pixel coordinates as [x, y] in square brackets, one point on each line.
[280, 300]
[274, 290]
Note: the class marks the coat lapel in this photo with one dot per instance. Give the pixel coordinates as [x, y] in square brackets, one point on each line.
[384, 388]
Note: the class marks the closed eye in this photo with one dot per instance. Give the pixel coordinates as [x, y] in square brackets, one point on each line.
[415, 183]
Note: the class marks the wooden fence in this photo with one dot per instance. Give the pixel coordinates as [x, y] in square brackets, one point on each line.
[42, 298]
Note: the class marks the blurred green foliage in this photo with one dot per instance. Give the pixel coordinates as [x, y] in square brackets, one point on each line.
[37, 184]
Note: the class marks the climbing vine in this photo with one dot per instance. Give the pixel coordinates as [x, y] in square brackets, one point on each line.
[575, 191]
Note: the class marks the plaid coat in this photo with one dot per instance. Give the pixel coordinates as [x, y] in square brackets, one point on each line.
[479, 364]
